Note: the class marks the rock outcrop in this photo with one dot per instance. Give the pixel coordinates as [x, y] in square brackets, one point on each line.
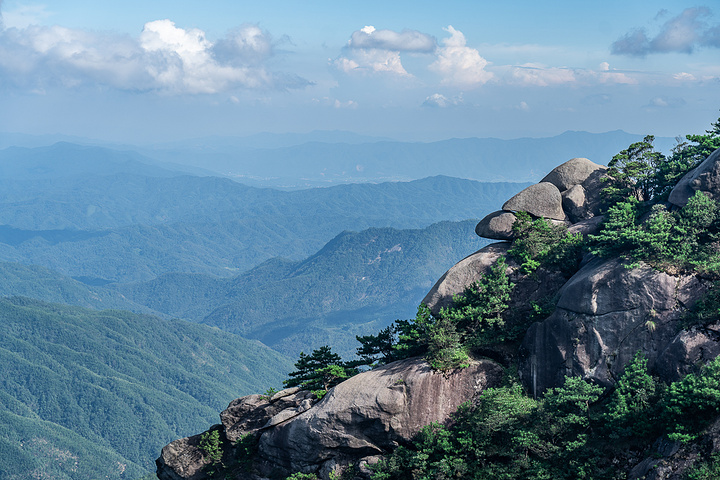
[496, 226]
[705, 178]
[604, 315]
[466, 272]
[540, 200]
[571, 192]
[371, 413]
[367, 415]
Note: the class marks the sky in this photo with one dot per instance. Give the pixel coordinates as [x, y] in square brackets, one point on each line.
[143, 72]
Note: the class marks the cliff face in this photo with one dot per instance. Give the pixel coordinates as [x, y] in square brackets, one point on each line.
[603, 314]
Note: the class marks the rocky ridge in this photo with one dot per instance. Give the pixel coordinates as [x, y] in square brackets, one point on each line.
[603, 314]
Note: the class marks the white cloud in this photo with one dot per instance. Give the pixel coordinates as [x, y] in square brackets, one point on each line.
[371, 61]
[538, 75]
[373, 51]
[438, 100]
[459, 64]
[684, 76]
[531, 74]
[23, 16]
[666, 102]
[681, 34]
[349, 104]
[406, 41]
[164, 58]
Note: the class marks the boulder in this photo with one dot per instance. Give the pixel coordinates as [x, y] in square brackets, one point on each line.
[182, 460]
[370, 414]
[604, 315]
[540, 200]
[466, 272]
[253, 412]
[574, 202]
[590, 226]
[705, 178]
[573, 172]
[496, 226]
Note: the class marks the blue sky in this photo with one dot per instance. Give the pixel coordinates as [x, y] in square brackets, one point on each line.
[138, 71]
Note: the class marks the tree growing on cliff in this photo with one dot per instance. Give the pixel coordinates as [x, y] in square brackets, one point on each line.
[320, 370]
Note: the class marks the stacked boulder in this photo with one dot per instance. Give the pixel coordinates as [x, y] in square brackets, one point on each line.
[570, 194]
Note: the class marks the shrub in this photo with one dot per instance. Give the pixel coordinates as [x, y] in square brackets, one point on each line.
[541, 243]
[210, 446]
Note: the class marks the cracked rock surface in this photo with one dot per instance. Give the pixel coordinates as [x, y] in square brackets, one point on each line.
[605, 314]
[371, 413]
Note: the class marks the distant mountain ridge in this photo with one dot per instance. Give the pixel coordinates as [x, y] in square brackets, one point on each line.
[316, 163]
[114, 218]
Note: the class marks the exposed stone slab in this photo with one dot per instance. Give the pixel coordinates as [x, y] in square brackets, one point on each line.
[370, 413]
[605, 314]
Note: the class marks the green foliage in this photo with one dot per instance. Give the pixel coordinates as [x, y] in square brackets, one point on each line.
[377, 349]
[642, 174]
[474, 320]
[477, 312]
[112, 388]
[705, 468]
[412, 335]
[504, 435]
[632, 409]
[269, 393]
[707, 309]
[246, 450]
[691, 402]
[320, 370]
[445, 349]
[541, 243]
[632, 172]
[210, 446]
[685, 156]
[302, 476]
[685, 239]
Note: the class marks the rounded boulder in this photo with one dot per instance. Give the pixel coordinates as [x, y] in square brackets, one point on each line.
[540, 200]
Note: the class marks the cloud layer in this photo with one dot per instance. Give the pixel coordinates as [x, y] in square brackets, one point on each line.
[163, 58]
[681, 34]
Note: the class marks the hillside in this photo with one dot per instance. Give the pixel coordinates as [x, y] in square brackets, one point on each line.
[89, 394]
[355, 284]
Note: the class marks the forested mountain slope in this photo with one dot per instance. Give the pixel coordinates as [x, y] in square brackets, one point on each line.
[356, 284]
[94, 394]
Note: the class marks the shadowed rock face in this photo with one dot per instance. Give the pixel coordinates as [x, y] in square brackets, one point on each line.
[372, 413]
[705, 178]
[605, 314]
